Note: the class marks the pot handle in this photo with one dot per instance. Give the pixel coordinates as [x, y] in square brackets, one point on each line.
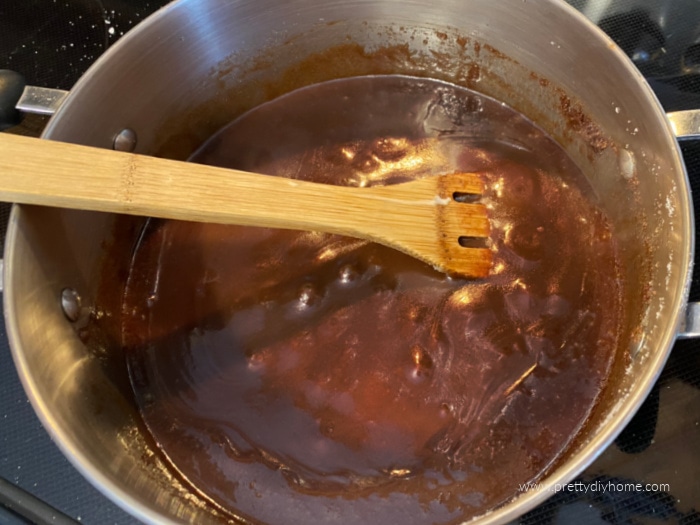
[690, 329]
[16, 97]
[686, 125]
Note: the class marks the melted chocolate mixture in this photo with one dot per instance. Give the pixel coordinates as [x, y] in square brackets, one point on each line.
[297, 377]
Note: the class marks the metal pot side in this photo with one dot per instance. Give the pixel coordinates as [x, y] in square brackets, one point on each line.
[196, 64]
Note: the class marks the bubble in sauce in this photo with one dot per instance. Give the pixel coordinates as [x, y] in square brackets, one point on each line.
[309, 295]
[151, 300]
[421, 367]
[348, 273]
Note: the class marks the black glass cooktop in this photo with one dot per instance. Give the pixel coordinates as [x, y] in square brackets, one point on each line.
[651, 474]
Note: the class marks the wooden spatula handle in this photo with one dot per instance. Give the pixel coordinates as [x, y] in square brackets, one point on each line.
[67, 175]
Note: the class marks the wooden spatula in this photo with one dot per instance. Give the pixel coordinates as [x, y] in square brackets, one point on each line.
[425, 218]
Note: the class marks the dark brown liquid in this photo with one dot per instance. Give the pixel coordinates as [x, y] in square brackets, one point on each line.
[298, 377]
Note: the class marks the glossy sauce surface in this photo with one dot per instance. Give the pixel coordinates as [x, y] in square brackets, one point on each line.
[297, 377]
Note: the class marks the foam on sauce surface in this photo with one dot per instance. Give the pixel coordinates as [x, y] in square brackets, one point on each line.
[297, 377]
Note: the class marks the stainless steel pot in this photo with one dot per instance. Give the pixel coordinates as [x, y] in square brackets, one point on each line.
[196, 64]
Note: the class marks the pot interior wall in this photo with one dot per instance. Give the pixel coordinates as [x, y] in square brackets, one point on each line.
[196, 65]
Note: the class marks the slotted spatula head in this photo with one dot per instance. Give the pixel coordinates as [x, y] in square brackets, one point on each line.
[436, 219]
[463, 226]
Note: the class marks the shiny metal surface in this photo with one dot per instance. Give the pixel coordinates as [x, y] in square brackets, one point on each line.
[194, 52]
[690, 327]
[41, 100]
[685, 124]
[125, 140]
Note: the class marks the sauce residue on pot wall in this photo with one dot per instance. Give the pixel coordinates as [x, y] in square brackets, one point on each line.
[295, 377]
[244, 82]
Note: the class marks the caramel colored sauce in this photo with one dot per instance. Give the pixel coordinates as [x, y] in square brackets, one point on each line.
[298, 377]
